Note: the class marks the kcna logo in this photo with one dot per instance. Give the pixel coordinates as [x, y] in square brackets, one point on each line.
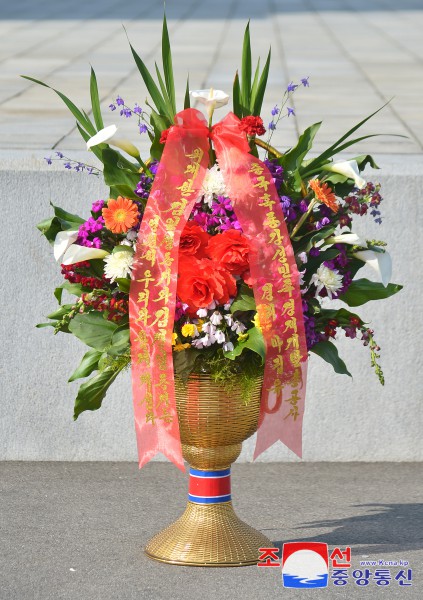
[305, 565]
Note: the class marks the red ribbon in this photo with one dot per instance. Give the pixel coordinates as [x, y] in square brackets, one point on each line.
[273, 270]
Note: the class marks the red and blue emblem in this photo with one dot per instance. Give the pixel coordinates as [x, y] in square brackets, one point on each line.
[209, 487]
[305, 565]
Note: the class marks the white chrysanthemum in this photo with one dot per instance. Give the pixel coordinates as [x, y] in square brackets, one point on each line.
[118, 265]
[327, 278]
[213, 184]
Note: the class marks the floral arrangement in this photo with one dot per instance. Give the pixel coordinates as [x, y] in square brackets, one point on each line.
[217, 327]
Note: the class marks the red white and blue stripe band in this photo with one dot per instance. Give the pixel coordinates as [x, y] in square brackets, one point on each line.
[209, 487]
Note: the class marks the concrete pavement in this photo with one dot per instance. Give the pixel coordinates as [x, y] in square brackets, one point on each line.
[358, 55]
[75, 531]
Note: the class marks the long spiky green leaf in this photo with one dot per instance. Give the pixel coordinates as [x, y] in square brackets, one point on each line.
[168, 66]
[246, 68]
[95, 101]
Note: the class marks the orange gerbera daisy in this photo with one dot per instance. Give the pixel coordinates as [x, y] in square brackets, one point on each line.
[324, 194]
[120, 215]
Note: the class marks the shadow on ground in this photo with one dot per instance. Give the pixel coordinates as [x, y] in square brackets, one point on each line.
[386, 528]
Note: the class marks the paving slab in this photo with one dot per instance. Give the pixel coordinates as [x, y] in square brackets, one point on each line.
[77, 530]
[358, 55]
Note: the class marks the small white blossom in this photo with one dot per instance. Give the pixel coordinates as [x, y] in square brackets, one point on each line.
[202, 312]
[132, 235]
[212, 305]
[229, 320]
[213, 184]
[118, 265]
[228, 346]
[228, 305]
[209, 339]
[220, 336]
[238, 327]
[216, 318]
[301, 274]
[327, 278]
[303, 257]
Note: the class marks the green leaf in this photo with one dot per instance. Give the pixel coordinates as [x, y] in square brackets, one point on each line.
[167, 66]
[363, 160]
[92, 392]
[255, 342]
[88, 364]
[41, 325]
[95, 101]
[124, 284]
[336, 147]
[120, 341]
[184, 362]
[73, 288]
[261, 88]
[78, 114]
[187, 101]
[93, 329]
[67, 220]
[50, 228]
[246, 68]
[329, 353]
[115, 172]
[363, 290]
[126, 191]
[293, 158]
[152, 88]
[342, 315]
[236, 97]
[60, 312]
[244, 300]
[163, 89]
[254, 86]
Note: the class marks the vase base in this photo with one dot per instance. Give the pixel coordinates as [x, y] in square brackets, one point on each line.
[208, 535]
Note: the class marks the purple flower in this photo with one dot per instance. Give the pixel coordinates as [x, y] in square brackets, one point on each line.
[290, 111]
[67, 165]
[276, 171]
[59, 155]
[112, 107]
[319, 224]
[305, 82]
[137, 109]
[48, 160]
[275, 110]
[126, 112]
[271, 126]
[97, 206]
[286, 202]
[143, 128]
[314, 251]
[291, 87]
[119, 101]
[303, 206]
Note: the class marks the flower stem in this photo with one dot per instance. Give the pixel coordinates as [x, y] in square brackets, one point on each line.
[304, 217]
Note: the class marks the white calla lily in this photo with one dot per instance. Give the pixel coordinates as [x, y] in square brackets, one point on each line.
[349, 168]
[380, 262]
[211, 98]
[76, 253]
[62, 242]
[107, 136]
[347, 238]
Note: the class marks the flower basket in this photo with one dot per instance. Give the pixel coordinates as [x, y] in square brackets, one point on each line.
[210, 270]
[213, 422]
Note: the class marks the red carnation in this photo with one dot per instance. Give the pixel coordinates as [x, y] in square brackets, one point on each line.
[252, 126]
[193, 240]
[164, 135]
[230, 249]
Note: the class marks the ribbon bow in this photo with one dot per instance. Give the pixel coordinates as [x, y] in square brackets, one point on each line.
[273, 270]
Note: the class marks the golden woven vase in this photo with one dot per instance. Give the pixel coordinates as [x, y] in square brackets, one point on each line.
[213, 423]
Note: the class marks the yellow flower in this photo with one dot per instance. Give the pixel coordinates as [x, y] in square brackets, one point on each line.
[256, 322]
[188, 330]
[174, 338]
[200, 325]
[242, 337]
[180, 347]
